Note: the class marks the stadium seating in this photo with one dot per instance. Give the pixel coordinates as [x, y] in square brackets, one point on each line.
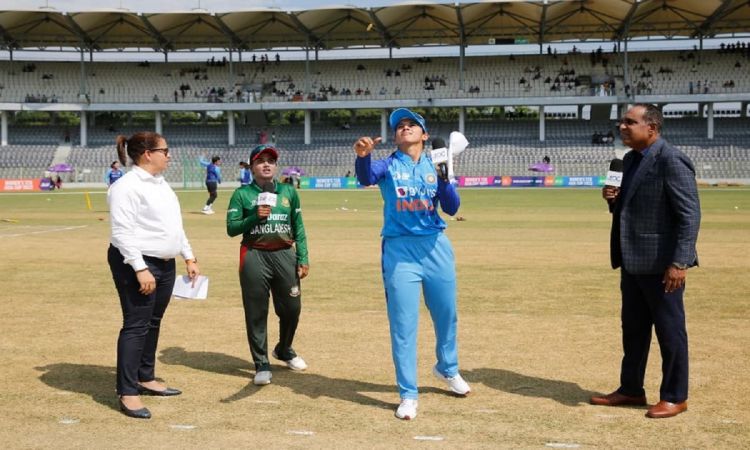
[498, 147]
[25, 161]
[667, 72]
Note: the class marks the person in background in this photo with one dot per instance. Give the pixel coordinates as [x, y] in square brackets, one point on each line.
[416, 254]
[114, 173]
[147, 234]
[245, 174]
[213, 180]
[655, 220]
[273, 257]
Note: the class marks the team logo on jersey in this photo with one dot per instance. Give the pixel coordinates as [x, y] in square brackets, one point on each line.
[430, 178]
[294, 291]
[401, 192]
[285, 202]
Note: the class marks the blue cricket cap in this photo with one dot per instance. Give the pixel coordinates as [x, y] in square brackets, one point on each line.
[402, 113]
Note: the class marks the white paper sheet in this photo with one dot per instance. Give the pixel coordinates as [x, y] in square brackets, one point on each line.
[183, 287]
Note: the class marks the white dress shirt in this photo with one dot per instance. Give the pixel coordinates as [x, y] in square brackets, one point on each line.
[146, 219]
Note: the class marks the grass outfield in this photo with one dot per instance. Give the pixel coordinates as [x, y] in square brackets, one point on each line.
[539, 332]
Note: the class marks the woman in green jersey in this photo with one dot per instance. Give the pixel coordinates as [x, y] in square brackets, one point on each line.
[273, 258]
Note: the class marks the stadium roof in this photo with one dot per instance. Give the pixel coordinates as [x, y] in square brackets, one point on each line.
[259, 25]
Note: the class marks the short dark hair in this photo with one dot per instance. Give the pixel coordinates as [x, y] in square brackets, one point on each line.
[652, 115]
[215, 158]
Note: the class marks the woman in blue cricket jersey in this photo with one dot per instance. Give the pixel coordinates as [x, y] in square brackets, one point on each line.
[213, 180]
[246, 174]
[416, 253]
[114, 173]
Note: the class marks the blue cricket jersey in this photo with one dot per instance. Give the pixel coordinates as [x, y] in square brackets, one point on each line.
[411, 192]
[113, 175]
[213, 172]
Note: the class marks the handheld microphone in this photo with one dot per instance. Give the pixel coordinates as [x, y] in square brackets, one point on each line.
[457, 143]
[440, 157]
[614, 174]
[268, 196]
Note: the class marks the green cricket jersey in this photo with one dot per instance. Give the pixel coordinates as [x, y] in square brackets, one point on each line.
[282, 229]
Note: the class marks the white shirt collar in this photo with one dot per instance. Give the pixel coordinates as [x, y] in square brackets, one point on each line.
[146, 176]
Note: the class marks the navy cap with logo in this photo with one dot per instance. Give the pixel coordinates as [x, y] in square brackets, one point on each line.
[403, 113]
[261, 149]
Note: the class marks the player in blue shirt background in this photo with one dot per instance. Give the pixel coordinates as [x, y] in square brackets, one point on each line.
[416, 254]
[246, 175]
[213, 180]
[114, 173]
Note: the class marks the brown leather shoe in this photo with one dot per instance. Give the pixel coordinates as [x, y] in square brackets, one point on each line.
[617, 399]
[665, 409]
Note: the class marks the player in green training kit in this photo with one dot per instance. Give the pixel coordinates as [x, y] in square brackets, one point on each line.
[273, 257]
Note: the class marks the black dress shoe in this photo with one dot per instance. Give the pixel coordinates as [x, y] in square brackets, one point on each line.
[168, 392]
[142, 413]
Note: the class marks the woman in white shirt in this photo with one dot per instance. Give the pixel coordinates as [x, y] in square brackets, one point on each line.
[147, 234]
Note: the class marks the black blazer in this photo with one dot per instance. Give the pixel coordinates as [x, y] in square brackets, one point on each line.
[659, 216]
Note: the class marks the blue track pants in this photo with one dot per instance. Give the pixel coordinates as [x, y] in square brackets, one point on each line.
[411, 264]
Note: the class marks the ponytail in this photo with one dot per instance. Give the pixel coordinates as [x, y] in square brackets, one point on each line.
[136, 146]
[122, 143]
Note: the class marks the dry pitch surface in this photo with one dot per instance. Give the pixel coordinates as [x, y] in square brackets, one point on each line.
[538, 322]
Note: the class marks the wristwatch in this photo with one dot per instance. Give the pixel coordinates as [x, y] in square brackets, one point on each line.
[680, 266]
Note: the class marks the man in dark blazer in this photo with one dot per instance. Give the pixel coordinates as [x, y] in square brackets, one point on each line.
[656, 216]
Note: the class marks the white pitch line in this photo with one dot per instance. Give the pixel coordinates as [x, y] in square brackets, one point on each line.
[429, 438]
[301, 432]
[561, 445]
[68, 421]
[269, 402]
[53, 230]
[730, 421]
[182, 427]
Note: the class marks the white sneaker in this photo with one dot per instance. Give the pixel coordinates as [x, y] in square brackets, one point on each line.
[262, 378]
[208, 211]
[296, 363]
[407, 410]
[455, 383]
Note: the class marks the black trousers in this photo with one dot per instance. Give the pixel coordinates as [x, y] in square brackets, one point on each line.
[141, 319]
[646, 305]
[275, 271]
[212, 187]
